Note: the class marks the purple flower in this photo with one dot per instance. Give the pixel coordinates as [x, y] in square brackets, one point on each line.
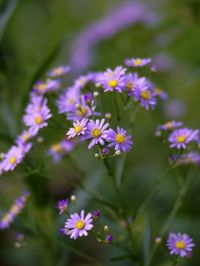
[179, 138]
[189, 158]
[133, 81]
[137, 62]
[82, 81]
[62, 205]
[120, 140]
[97, 131]
[14, 157]
[24, 137]
[160, 93]
[170, 125]
[79, 128]
[59, 149]
[37, 113]
[78, 225]
[42, 87]
[58, 71]
[68, 99]
[112, 80]
[109, 238]
[96, 214]
[180, 244]
[145, 96]
[15, 209]
[79, 111]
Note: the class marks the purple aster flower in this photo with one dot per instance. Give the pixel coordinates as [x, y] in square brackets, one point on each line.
[58, 71]
[79, 128]
[120, 140]
[88, 97]
[42, 87]
[160, 93]
[180, 244]
[59, 149]
[15, 209]
[133, 81]
[109, 238]
[24, 137]
[137, 62]
[145, 96]
[14, 156]
[97, 131]
[68, 99]
[78, 225]
[170, 125]
[179, 138]
[62, 205]
[36, 115]
[82, 81]
[189, 158]
[112, 80]
[96, 214]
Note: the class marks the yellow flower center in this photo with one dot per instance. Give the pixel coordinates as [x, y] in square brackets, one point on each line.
[180, 244]
[181, 138]
[112, 83]
[42, 87]
[129, 85]
[38, 119]
[26, 136]
[57, 71]
[70, 101]
[6, 218]
[169, 125]
[96, 133]
[77, 129]
[137, 62]
[79, 224]
[82, 111]
[12, 160]
[120, 138]
[14, 209]
[145, 95]
[56, 147]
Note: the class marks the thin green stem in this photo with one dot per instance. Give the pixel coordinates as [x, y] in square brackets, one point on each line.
[177, 205]
[148, 194]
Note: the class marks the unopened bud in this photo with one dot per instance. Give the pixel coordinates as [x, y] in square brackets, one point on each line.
[108, 115]
[77, 106]
[117, 153]
[106, 228]
[73, 198]
[40, 139]
[96, 94]
[97, 155]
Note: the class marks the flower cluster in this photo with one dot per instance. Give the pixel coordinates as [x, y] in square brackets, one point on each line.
[15, 209]
[183, 139]
[79, 103]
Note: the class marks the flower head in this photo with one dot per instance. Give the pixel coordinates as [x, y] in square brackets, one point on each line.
[14, 156]
[179, 138]
[137, 62]
[62, 205]
[119, 139]
[58, 71]
[37, 112]
[180, 244]
[15, 209]
[59, 149]
[112, 80]
[78, 225]
[42, 87]
[170, 125]
[96, 130]
[133, 81]
[68, 99]
[145, 96]
[24, 137]
[79, 128]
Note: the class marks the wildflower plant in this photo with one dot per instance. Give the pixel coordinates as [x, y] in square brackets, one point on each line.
[107, 132]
